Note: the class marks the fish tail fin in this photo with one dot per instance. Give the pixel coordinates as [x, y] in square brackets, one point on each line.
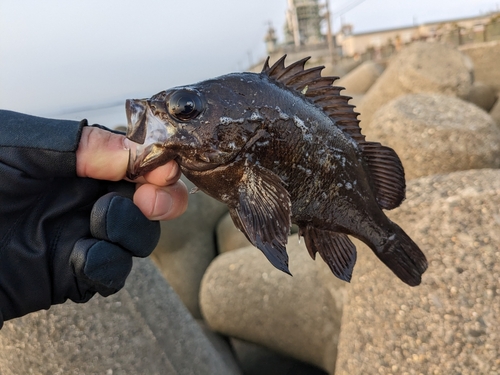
[403, 257]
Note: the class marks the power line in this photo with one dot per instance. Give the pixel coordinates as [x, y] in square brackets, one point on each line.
[352, 4]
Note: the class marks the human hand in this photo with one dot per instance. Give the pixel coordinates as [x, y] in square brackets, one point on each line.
[68, 226]
[114, 220]
[103, 155]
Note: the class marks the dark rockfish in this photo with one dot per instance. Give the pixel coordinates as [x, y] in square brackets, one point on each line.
[281, 147]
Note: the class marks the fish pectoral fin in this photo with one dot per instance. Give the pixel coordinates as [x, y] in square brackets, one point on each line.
[263, 214]
[336, 249]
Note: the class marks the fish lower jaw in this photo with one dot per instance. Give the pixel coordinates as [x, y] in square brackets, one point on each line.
[197, 165]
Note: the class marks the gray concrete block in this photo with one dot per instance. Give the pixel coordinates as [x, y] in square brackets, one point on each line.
[436, 134]
[244, 296]
[486, 60]
[360, 79]
[143, 329]
[422, 67]
[187, 246]
[495, 112]
[482, 95]
[448, 324]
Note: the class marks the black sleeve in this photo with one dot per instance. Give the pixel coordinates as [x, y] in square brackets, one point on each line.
[48, 249]
[38, 146]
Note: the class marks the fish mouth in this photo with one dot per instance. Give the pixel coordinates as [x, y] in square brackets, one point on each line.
[147, 134]
[154, 141]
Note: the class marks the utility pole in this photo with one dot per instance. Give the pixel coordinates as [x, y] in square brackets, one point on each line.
[329, 33]
[294, 20]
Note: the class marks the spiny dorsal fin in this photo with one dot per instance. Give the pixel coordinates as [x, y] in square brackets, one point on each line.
[385, 167]
[318, 90]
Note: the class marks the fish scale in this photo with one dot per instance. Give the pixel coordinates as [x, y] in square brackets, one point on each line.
[281, 147]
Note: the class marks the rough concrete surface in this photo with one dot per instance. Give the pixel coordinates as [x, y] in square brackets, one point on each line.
[187, 246]
[434, 133]
[143, 329]
[482, 95]
[361, 78]
[422, 67]
[486, 58]
[257, 360]
[495, 111]
[228, 236]
[243, 296]
[448, 324]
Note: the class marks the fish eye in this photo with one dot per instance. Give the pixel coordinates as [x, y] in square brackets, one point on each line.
[185, 105]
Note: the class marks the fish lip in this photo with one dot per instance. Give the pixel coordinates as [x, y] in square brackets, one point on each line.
[136, 112]
[195, 165]
[147, 133]
[154, 155]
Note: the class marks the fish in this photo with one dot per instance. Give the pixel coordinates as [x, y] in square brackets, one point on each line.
[279, 147]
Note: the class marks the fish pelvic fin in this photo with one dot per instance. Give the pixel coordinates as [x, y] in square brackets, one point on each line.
[336, 249]
[403, 257]
[263, 214]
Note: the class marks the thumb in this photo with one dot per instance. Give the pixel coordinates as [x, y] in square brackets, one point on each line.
[101, 154]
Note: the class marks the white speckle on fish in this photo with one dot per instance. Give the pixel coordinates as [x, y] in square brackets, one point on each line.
[263, 143]
[256, 116]
[283, 115]
[300, 124]
[306, 170]
[348, 185]
[229, 121]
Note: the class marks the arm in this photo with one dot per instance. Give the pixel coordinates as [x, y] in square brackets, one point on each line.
[64, 236]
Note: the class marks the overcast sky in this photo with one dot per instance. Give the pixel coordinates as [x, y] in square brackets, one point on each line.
[61, 54]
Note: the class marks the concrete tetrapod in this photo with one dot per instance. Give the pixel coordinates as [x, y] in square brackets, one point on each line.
[448, 324]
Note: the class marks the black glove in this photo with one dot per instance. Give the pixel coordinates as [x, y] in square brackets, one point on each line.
[61, 236]
[102, 262]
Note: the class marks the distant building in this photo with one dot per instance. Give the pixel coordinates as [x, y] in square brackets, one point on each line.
[303, 35]
[303, 23]
[458, 32]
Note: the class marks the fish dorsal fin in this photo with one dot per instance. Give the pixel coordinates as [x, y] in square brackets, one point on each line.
[318, 90]
[385, 167]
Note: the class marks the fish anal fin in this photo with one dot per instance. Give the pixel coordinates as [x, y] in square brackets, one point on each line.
[387, 174]
[263, 213]
[336, 249]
